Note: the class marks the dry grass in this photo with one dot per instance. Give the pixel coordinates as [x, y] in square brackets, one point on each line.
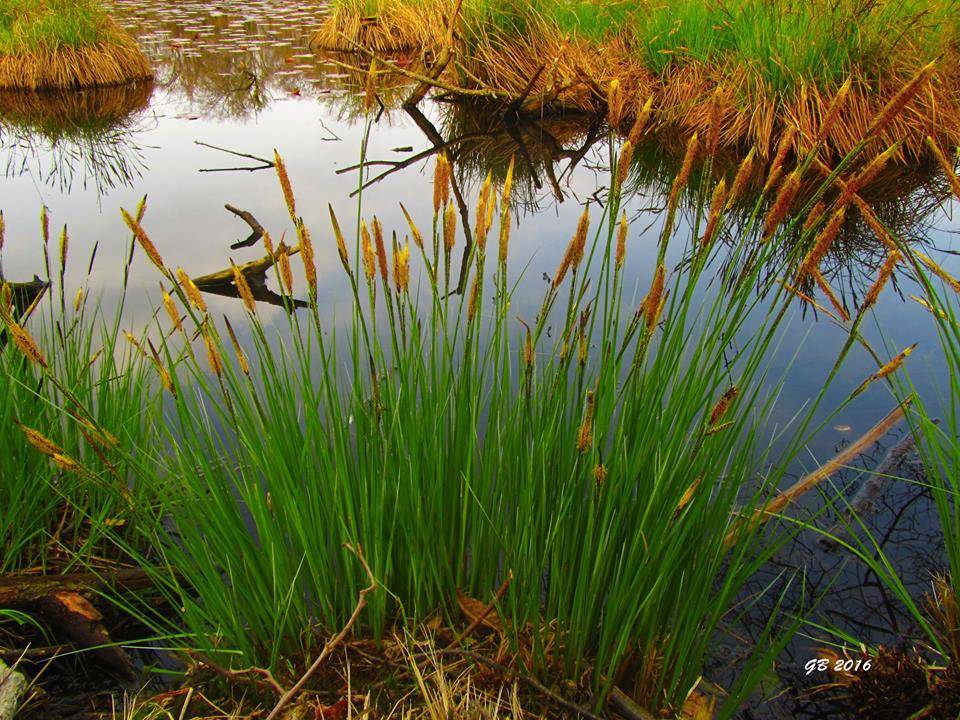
[114, 59]
[570, 72]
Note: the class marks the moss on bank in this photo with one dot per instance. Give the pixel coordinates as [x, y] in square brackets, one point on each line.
[771, 64]
[65, 44]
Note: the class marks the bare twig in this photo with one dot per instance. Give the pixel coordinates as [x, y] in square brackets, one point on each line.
[333, 642]
[256, 228]
[261, 677]
[268, 163]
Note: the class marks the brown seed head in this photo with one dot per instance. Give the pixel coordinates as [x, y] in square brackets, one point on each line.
[472, 298]
[172, 311]
[781, 205]
[822, 243]
[64, 242]
[783, 148]
[381, 252]
[579, 240]
[945, 165]
[717, 203]
[600, 474]
[585, 433]
[883, 277]
[243, 289]
[307, 257]
[815, 215]
[896, 104]
[504, 233]
[723, 404]
[24, 341]
[833, 112]
[417, 237]
[213, 354]
[401, 267]
[484, 213]
[831, 296]
[40, 442]
[191, 290]
[285, 185]
[652, 304]
[508, 183]
[528, 351]
[140, 234]
[78, 300]
[689, 157]
[366, 248]
[640, 124]
[338, 236]
[44, 225]
[623, 163]
[441, 183]
[868, 174]
[449, 227]
[937, 270]
[615, 103]
[241, 356]
[286, 274]
[740, 180]
[621, 251]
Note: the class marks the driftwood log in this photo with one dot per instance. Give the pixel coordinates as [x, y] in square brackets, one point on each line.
[66, 603]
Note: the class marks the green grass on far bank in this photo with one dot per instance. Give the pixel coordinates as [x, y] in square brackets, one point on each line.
[31, 25]
[784, 42]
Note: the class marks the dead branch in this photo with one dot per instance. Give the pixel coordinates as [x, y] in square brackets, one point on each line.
[256, 228]
[335, 640]
[266, 164]
[435, 82]
[260, 677]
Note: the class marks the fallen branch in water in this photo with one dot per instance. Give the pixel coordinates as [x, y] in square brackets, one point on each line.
[267, 164]
[333, 642]
[256, 228]
[811, 480]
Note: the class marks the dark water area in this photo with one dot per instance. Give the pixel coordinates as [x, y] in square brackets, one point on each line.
[239, 76]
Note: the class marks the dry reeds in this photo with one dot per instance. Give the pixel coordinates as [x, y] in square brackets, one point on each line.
[546, 67]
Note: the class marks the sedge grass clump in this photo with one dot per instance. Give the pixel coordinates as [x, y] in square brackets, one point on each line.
[777, 64]
[59, 44]
[457, 447]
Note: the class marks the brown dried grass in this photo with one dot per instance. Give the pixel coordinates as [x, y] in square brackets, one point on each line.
[573, 73]
[114, 61]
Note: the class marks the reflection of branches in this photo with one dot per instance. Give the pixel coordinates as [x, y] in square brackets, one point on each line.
[58, 135]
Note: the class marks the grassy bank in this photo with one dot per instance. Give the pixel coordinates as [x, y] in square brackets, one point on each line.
[763, 66]
[65, 44]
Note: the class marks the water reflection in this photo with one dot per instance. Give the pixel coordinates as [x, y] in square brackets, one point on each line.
[61, 137]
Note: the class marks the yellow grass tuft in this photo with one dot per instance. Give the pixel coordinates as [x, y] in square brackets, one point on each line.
[140, 234]
[341, 245]
[621, 250]
[191, 291]
[115, 60]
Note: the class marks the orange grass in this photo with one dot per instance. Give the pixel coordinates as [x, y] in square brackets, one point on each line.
[551, 69]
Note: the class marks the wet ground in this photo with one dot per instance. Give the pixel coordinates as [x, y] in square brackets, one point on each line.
[236, 80]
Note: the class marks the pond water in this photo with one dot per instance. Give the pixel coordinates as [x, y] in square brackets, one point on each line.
[239, 76]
